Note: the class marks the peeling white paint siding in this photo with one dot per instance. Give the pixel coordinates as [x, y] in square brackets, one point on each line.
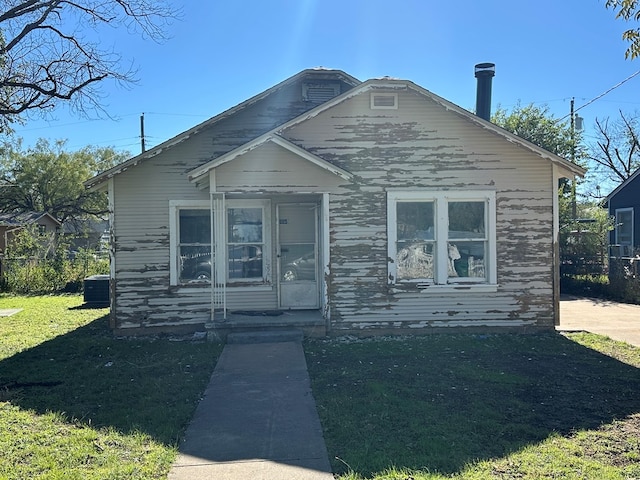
[143, 295]
[419, 146]
[271, 168]
[422, 146]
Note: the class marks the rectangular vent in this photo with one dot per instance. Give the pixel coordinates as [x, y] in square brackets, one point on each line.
[384, 101]
[320, 92]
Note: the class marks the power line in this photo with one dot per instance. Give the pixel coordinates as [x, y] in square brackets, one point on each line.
[602, 94]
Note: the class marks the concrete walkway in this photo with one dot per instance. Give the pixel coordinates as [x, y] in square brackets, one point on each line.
[257, 419]
[619, 321]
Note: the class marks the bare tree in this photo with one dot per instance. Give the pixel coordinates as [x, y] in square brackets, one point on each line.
[616, 153]
[50, 51]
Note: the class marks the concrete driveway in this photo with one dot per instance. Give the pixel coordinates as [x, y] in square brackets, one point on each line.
[619, 321]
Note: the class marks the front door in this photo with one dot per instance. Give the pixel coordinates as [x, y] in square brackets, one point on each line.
[298, 256]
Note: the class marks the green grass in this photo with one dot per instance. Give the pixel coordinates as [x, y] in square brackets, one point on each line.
[479, 406]
[75, 402]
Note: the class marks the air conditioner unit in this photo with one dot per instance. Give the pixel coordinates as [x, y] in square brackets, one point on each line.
[96, 290]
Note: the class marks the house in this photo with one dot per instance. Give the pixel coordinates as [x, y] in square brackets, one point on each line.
[337, 206]
[623, 204]
[12, 223]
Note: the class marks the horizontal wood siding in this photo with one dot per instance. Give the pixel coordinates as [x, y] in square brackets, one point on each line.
[420, 145]
[144, 297]
[271, 168]
[143, 294]
[423, 146]
[627, 197]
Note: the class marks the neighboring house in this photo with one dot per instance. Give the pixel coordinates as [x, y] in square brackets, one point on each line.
[87, 233]
[368, 207]
[624, 205]
[12, 223]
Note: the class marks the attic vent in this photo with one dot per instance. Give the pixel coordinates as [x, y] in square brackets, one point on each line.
[320, 92]
[384, 101]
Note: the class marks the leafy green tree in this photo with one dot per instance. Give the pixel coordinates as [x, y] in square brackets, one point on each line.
[538, 126]
[584, 236]
[51, 53]
[46, 178]
[628, 10]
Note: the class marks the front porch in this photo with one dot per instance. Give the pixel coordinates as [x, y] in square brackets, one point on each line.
[310, 322]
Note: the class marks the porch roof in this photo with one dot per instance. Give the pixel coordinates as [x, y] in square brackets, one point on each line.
[198, 175]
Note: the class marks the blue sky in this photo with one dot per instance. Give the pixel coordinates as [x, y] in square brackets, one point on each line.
[222, 52]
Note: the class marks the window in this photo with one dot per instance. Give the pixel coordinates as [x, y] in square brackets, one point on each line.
[384, 101]
[442, 238]
[194, 245]
[246, 242]
[624, 226]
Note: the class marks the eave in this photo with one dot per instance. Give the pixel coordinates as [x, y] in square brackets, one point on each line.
[566, 168]
[99, 181]
[199, 174]
[621, 186]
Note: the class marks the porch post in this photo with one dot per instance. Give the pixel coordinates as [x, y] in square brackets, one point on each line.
[218, 254]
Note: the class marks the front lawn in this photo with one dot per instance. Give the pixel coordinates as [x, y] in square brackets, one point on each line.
[479, 406]
[76, 403]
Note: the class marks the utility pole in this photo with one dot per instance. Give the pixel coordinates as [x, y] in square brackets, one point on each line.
[573, 159]
[142, 131]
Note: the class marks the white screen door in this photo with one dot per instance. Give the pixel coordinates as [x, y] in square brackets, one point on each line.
[298, 256]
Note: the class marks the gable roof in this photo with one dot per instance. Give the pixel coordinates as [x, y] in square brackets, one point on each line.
[620, 187]
[568, 168]
[13, 219]
[198, 173]
[182, 137]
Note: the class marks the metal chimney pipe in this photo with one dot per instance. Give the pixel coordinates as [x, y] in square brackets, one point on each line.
[484, 74]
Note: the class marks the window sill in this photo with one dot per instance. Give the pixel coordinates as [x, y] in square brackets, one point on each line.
[452, 288]
[245, 287]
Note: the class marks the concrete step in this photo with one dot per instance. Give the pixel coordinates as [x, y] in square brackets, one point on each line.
[266, 336]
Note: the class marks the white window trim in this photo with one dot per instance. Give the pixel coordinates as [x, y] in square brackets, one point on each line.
[624, 210]
[384, 107]
[265, 205]
[441, 198]
[174, 211]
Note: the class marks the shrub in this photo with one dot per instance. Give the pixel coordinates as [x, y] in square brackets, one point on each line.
[42, 264]
[622, 284]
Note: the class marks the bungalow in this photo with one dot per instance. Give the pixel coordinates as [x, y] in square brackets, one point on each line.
[11, 223]
[623, 203]
[337, 206]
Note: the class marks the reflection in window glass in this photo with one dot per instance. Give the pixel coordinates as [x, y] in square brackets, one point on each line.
[245, 225]
[441, 238]
[298, 262]
[415, 221]
[624, 227]
[245, 243]
[466, 220]
[195, 226]
[467, 239]
[194, 245]
[416, 234]
[245, 261]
